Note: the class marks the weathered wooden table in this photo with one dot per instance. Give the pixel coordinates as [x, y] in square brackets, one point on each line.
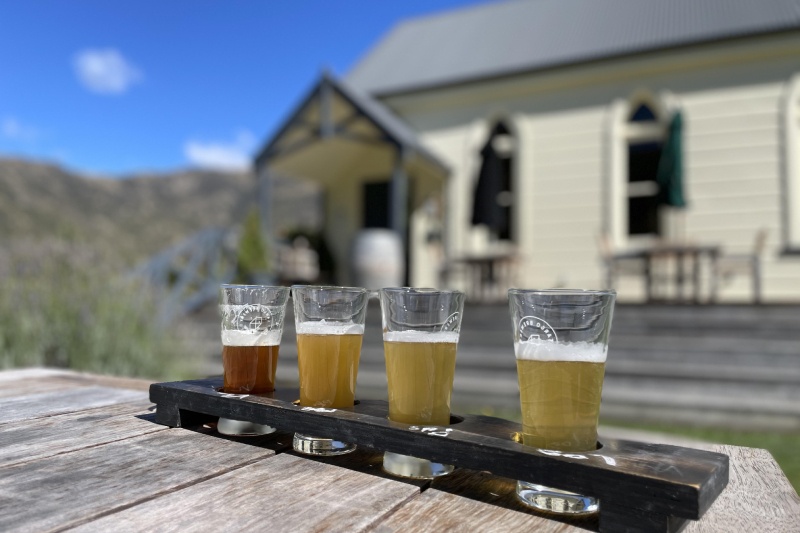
[84, 452]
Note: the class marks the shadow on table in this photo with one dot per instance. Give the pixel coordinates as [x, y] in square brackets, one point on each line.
[278, 441]
[478, 486]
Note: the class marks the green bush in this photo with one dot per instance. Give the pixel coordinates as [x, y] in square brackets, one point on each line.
[67, 307]
[252, 255]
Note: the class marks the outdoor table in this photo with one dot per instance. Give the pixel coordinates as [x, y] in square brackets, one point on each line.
[83, 452]
[680, 251]
[488, 275]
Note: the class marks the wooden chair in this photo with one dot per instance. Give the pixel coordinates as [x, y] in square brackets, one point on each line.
[730, 265]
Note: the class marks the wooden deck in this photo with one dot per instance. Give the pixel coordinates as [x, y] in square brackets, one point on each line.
[721, 365]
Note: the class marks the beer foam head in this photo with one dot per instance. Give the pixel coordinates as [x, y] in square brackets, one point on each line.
[421, 336]
[323, 327]
[582, 352]
[250, 338]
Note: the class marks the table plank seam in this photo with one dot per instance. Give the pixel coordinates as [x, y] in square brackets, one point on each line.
[101, 514]
[373, 525]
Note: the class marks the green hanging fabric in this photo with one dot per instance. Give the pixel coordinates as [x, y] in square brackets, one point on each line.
[670, 166]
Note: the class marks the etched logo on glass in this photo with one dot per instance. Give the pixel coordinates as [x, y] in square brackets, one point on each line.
[535, 328]
[250, 318]
[450, 323]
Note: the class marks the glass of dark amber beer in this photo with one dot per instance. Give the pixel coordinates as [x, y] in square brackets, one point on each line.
[560, 343]
[252, 325]
[330, 328]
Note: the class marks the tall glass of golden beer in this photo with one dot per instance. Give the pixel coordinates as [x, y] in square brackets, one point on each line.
[560, 343]
[420, 335]
[330, 327]
[252, 325]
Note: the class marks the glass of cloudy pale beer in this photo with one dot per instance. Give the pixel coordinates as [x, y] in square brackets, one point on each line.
[252, 325]
[420, 336]
[330, 327]
[560, 343]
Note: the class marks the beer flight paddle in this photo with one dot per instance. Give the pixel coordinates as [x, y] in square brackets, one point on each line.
[560, 341]
[640, 486]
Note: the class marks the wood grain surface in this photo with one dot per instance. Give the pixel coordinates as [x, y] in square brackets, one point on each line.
[68, 489]
[45, 404]
[435, 510]
[25, 386]
[33, 439]
[758, 493]
[37, 380]
[19, 381]
[284, 493]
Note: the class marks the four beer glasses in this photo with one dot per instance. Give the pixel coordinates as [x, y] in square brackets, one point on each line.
[420, 335]
[252, 324]
[560, 342]
[330, 327]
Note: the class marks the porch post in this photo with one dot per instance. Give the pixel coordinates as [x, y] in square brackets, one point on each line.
[399, 196]
[264, 177]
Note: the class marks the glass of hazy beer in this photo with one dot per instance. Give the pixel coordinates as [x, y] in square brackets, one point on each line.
[560, 342]
[252, 325]
[420, 335]
[330, 327]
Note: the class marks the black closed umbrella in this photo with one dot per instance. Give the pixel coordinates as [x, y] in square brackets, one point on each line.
[485, 207]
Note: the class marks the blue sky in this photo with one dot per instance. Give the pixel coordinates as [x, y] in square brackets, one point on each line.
[119, 87]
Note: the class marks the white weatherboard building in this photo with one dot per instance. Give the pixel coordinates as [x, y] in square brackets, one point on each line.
[564, 107]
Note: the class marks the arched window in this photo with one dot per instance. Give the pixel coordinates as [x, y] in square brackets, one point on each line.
[636, 131]
[493, 200]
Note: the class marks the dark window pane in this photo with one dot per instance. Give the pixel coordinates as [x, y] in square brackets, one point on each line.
[376, 204]
[643, 114]
[500, 129]
[643, 215]
[643, 161]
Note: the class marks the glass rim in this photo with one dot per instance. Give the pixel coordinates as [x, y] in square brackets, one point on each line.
[251, 286]
[420, 290]
[564, 292]
[331, 288]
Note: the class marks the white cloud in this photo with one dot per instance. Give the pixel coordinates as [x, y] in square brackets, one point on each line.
[221, 155]
[105, 71]
[13, 129]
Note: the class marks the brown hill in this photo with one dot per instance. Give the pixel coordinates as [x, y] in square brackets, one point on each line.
[137, 216]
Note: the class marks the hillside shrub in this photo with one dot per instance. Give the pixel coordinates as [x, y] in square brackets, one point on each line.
[69, 307]
[251, 259]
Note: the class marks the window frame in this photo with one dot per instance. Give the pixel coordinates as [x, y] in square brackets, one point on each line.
[621, 132]
[791, 167]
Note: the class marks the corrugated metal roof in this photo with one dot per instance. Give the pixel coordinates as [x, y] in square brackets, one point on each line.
[523, 35]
